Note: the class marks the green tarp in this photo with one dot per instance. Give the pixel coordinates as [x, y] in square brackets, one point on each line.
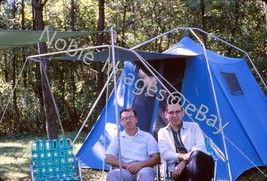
[16, 38]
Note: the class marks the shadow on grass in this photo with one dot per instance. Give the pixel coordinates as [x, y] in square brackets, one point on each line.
[254, 174]
[15, 154]
[12, 151]
[93, 175]
[13, 160]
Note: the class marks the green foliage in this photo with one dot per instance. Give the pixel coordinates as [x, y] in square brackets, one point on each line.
[74, 85]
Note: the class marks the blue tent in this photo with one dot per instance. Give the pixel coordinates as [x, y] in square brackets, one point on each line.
[219, 93]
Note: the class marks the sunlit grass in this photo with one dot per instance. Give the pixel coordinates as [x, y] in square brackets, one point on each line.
[15, 158]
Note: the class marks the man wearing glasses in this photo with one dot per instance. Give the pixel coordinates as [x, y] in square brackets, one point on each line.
[182, 145]
[139, 151]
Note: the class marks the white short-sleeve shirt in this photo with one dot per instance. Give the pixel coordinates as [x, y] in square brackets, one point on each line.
[133, 148]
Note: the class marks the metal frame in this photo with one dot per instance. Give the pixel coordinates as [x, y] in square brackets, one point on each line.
[132, 50]
[54, 149]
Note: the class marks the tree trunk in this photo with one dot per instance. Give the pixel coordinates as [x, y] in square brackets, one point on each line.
[15, 105]
[74, 110]
[234, 26]
[123, 25]
[99, 65]
[74, 116]
[14, 67]
[6, 66]
[38, 91]
[265, 11]
[44, 69]
[204, 27]
[23, 49]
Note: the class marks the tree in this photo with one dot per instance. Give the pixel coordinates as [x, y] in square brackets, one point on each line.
[242, 23]
[50, 113]
[99, 66]
[265, 11]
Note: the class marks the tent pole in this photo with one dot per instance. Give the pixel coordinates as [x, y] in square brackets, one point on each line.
[150, 68]
[94, 105]
[189, 28]
[216, 102]
[53, 99]
[116, 100]
[15, 86]
[66, 52]
[246, 54]
[152, 39]
[51, 93]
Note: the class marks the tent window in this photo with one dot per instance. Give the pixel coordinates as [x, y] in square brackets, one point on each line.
[232, 83]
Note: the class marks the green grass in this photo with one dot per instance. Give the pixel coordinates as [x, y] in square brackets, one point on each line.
[15, 158]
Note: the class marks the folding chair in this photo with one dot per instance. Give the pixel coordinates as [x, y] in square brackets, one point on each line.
[210, 150]
[54, 160]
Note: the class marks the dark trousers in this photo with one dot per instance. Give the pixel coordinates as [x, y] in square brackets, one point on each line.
[199, 167]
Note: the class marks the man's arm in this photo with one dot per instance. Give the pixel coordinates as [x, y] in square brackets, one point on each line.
[166, 148]
[136, 166]
[199, 143]
[152, 161]
[111, 160]
[178, 169]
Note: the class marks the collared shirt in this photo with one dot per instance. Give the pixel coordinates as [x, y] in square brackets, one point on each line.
[192, 138]
[179, 146]
[133, 148]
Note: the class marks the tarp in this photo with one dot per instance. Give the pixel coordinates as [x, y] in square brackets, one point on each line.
[16, 38]
[223, 91]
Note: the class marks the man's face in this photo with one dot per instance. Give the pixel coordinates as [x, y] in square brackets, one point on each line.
[174, 114]
[128, 120]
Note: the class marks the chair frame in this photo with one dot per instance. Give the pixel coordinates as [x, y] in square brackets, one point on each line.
[54, 160]
[210, 150]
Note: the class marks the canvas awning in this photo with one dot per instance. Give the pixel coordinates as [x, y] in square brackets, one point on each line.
[16, 38]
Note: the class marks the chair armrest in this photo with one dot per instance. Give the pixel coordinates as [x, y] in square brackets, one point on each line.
[31, 169]
[79, 168]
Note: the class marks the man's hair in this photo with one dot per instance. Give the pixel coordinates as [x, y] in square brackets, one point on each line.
[128, 109]
[171, 102]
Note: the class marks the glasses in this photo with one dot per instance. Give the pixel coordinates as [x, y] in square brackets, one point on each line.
[130, 118]
[176, 112]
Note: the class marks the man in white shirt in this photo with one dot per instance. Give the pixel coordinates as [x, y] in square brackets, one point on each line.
[139, 151]
[182, 145]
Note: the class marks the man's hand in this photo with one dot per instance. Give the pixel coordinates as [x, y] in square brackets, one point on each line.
[134, 167]
[184, 156]
[178, 170]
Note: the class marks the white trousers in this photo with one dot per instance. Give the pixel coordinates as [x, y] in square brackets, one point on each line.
[145, 174]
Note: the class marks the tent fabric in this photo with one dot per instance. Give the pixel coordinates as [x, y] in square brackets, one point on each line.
[120, 55]
[246, 132]
[92, 152]
[242, 107]
[16, 38]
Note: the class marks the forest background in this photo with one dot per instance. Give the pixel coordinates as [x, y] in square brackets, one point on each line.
[28, 109]
[76, 85]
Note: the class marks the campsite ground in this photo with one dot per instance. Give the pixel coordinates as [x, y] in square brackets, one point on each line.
[15, 157]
